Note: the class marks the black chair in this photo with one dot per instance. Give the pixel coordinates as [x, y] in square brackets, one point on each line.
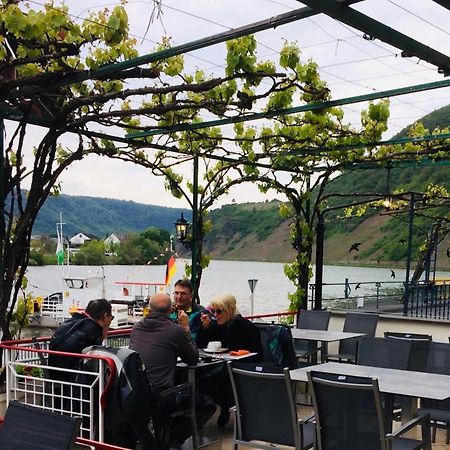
[354, 323]
[420, 344]
[265, 411]
[31, 428]
[278, 345]
[438, 362]
[382, 352]
[349, 415]
[310, 320]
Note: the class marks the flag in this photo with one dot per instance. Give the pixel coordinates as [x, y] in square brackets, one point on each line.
[170, 270]
[59, 249]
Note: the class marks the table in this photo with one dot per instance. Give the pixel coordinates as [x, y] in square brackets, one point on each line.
[391, 381]
[217, 358]
[323, 336]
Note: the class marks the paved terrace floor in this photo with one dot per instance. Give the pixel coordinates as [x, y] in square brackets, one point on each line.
[225, 435]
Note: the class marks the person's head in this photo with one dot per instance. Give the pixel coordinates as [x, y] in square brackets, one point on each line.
[161, 303]
[223, 307]
[100, 310]
[182, 294]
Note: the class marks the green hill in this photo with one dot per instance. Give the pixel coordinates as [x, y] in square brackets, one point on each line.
[102, 216]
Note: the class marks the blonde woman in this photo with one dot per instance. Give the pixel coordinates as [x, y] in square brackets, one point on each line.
[221, 322]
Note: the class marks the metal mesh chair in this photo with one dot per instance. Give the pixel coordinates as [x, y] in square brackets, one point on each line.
[354, 323]
[310, 320]
[382, 352]
[265, 411]
[438, 362]
[31, 428]
[349, 415]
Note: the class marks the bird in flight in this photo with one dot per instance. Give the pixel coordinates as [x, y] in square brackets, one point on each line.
[402, 241]
[357, 286]
[354, 246]
[392, 274]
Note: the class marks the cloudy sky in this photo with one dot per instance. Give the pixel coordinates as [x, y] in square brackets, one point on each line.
[350, 64]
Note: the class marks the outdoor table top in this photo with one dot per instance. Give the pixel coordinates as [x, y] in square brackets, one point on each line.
[214, 358]
[323, 335]
[391, 381]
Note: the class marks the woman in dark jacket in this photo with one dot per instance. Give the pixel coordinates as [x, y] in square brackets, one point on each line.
[223, 323]
[226, 325]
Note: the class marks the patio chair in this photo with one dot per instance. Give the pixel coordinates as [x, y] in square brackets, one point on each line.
[354, 323]
[310, 320]
[278, 346]
[420, 344]
[31, 428]
[438, 362]
[349, 415]
[265, 411]
[382, 352]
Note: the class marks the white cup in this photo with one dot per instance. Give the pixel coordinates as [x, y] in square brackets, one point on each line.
[214, 346]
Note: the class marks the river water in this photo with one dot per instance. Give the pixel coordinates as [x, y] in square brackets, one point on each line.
[271, 293]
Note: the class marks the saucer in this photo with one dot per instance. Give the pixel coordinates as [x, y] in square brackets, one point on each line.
[219, 350]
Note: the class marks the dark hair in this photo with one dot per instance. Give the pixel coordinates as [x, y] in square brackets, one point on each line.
[184, 283]
[96, 308]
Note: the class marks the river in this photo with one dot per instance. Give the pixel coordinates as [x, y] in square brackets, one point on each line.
[271, 293]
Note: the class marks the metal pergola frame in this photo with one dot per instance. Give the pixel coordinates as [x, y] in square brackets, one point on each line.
[338, 9]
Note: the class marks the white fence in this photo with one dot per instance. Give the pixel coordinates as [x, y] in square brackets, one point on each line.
[31, 380]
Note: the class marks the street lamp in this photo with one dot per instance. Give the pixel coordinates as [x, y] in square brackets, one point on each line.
[181, 228]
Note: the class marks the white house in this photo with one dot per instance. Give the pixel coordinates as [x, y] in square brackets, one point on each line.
[79, 239]
[111, 243]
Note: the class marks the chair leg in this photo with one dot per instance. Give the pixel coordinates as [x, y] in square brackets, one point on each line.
[447, 436]
[433, 433]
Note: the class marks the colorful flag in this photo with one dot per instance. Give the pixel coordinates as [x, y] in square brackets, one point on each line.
[170, 269]
[59, 249]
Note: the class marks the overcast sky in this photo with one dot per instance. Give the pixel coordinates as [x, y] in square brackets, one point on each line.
[350, 64]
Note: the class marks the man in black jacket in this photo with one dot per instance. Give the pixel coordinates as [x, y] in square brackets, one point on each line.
[75, 334]
[160, 341]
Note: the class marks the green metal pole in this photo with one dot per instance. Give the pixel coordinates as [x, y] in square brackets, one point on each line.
[194, 242]
[408, 257]
[314, 106]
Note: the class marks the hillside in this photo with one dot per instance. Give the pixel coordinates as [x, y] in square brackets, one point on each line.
[102, 216]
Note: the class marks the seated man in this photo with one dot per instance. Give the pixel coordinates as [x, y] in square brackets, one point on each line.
[183, 299]
[160, 341]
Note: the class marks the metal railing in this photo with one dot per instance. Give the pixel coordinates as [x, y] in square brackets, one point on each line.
[429, 301]
[383, 295]
[31, 380]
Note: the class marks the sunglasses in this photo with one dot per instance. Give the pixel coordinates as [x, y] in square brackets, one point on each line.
[216, 311]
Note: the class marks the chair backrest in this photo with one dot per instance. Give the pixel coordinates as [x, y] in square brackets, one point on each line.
[420, 345]
[259, 398]
[314, 320]
[382, 352]
[32, 428]
[438, 361]
[277, 344]
[357, 323]
[412, 336]
[348, 412]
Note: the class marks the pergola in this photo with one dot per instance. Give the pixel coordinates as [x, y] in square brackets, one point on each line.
[340, 10]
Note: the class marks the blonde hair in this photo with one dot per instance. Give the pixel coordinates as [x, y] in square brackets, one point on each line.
[225, 301]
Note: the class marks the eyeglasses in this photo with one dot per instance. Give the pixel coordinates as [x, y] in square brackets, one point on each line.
[182, 294]
[110, 315]
[216, 311]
